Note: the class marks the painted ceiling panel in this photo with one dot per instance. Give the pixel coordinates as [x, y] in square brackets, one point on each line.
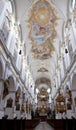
[42, 24]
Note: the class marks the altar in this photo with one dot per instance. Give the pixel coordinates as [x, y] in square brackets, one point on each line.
[43, 117]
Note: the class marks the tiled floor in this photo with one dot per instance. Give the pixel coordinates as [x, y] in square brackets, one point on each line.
[43, 126]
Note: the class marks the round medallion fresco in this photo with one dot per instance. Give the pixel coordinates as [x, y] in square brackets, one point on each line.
[42, 33]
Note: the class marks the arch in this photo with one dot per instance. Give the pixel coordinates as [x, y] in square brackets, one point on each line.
[6, 27]
[73, 82]
[42, 83]
[11, 84]
[19, 91]
[1, 69]
[17, 95]
[63, 30]
[70, 5]
[13, 7]
[1, 77]
[2, 4]
[43, 80]
[20, 31]
[65, 89]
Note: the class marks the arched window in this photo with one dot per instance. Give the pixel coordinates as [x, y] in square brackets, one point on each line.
[18, 32]
[6, 24]
[11, 7]
[5, 29]
[2, 4]
[73, 3]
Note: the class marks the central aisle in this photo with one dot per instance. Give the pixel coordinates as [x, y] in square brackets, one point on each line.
[44, 126]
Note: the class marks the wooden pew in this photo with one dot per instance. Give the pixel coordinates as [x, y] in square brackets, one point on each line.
[56, 124]
[30, 124]
[63, 124]
[12, 124]
[3, 125]
[16, 124]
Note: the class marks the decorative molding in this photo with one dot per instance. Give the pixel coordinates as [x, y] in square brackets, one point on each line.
[43, 80]
[42, 70]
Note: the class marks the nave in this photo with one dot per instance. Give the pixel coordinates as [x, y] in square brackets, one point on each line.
[43, 126]
[37, 61]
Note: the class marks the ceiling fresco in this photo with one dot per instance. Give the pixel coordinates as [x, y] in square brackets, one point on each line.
[42, 22]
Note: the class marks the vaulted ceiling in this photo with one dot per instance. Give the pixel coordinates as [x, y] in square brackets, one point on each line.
[42, 32]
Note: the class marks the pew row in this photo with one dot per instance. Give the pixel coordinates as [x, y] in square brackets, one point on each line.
[21, 124]
[12, 125]
[63, 124]
[56, 124]
[31, 124]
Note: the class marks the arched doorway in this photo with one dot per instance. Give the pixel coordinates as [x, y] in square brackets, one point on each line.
[12, 84]
[9, 97]
[9, 87]
[18, 102]
[1, 89]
